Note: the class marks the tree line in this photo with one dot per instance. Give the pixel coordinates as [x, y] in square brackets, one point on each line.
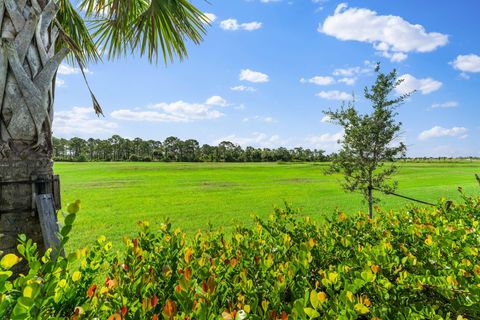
[173, 149]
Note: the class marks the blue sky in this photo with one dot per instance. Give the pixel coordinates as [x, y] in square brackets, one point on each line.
[267, 69]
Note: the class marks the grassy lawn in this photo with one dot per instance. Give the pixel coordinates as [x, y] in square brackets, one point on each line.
[193, 195]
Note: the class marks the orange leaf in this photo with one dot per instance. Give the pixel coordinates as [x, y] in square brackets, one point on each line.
[170, 308]
[187, 273]
[211, 284]
[188, 255]
[154, 300]
[115, 316]
[375, 268]
[91, 290]
[110, 283]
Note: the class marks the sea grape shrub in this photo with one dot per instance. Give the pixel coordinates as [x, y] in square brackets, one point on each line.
[416, 264]
[54, 285]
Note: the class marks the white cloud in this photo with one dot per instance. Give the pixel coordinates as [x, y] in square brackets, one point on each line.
[211, 17]
[256, 139]
[253, 76]
[368, 67]
[390, 35]
[424, 86]
[179, 111]
[326, 119]
[467, 63]
[348, 81]
[394, 57]
[60, 82]
[260, 118]
[243, 88]
[347, 71]
[326, 141]
[334, 95]
[448, 104]
[438, 131]
[347, 76]
[319, 80]
[81, 122]
[269, 1]
[216, 101]
[150, 116]
[67, 70]
[234, 25]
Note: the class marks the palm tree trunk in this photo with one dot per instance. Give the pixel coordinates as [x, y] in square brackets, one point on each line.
[28, 66]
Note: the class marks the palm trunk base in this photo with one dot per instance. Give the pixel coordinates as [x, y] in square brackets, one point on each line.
[18, 189]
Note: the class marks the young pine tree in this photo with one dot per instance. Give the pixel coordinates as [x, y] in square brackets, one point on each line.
[370, 144]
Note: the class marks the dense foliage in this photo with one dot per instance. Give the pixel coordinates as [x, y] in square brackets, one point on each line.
[370, 141]
[117, 148]
[412, 264]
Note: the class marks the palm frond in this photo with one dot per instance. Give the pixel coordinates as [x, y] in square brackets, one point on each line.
[153, 27]
[75, 35]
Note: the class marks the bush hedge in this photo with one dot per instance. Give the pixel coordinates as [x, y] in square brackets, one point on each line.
[414, 264]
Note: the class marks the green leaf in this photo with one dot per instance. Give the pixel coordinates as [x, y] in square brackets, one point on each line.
[4, 275]
[314, 299]
[69, 219]
[9, 260]
[22, 307]
[368, 276]
[312, 313]
[74, 207]
[66, 230]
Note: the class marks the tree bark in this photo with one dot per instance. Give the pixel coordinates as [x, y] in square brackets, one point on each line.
[28, 66]
[370, 202]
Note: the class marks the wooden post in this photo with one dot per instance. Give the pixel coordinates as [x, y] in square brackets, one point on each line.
[48, 221]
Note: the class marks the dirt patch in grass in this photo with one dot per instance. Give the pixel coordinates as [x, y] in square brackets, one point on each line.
[296, 180]
[110, 184]
[218, 184]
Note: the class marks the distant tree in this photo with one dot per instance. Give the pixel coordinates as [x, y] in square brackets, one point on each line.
[207, 153]
[319, 155]
[60, 147]
[77, 147]
[370, 140]
[282, 154]
[229, 151]
[172, 149]
[299, 154]
[137, 144]
[191, 153]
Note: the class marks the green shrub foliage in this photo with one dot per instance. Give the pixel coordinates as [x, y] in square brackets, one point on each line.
[413, 264]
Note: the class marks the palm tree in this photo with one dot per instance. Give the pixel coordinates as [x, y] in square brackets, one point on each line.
[36, 37]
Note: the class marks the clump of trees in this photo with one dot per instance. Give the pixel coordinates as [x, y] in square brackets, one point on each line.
[370, 144]
[174, 149]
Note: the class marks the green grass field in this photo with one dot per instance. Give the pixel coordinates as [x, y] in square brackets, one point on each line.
[193, 195]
